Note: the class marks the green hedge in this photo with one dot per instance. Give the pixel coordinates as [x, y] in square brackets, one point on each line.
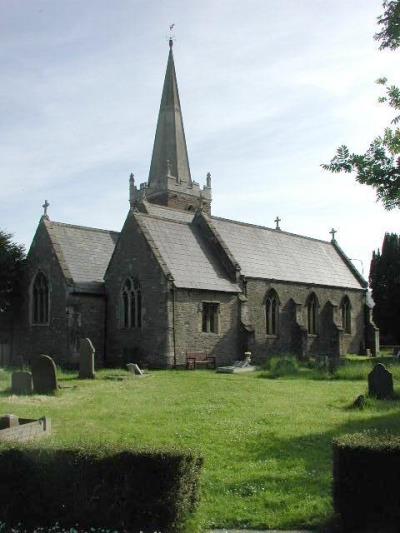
[366, 472]
[111, 488]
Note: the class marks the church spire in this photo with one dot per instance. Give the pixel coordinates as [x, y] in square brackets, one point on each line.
[170, 142]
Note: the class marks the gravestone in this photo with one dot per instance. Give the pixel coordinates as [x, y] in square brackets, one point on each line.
[133, 368]
[21, 382]
[9, 421]
[86, 359]
[380, 382]
[44, 375]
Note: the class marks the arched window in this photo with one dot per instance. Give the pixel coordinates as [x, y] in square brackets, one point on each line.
[272, 313]
[131, 304]
[40, 299]
[346, 314]
[312, 314]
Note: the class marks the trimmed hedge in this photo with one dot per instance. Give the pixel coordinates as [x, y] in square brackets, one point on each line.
[127, 490]
[366, 473]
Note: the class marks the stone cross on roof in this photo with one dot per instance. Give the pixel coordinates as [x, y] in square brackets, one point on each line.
[277, 220]
[333, 232]
[45, 206]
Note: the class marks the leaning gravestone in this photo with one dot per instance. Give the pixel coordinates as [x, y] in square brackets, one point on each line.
[380, 382]
[133, 368]
[21, 382]
[44, 375]
[86, 359]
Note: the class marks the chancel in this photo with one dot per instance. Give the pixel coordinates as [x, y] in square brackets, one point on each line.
[177, 279]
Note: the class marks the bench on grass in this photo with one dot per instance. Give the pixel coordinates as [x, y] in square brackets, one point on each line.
[196, 359]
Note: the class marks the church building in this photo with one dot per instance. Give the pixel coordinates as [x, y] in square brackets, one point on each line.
[179, 279]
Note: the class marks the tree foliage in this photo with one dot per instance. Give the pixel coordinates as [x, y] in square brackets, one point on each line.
[12, 257]
[389, 36]
[384, 279]
[379, 166]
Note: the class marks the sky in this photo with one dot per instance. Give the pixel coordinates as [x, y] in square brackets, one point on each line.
[269, 89]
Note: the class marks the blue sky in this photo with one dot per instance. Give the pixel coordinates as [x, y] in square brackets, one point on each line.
[269, 89]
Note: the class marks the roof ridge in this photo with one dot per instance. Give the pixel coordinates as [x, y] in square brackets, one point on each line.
[150, 215]
[269, 229]
[89, 228]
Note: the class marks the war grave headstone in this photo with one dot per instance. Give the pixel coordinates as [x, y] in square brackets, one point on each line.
[380, 382]
[44, 375]
[86, 359]
[238, 367]
[21, 382]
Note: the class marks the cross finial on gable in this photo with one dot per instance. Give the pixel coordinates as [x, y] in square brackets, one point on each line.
[277, 220]
[333, 232]
[45, 206]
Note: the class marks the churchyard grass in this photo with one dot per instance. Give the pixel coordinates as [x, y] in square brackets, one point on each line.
[266, 442]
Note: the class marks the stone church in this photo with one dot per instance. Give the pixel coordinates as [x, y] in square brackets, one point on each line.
[178, 279]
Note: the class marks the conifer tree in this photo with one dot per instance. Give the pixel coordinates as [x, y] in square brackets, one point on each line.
[11, 263]
[384, 279]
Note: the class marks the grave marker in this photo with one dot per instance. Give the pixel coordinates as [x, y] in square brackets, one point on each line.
[44, 375]
[21, 382]
[380, 382]
[86, 359]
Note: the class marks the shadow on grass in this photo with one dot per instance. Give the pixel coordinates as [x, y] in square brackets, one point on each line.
[308, 459]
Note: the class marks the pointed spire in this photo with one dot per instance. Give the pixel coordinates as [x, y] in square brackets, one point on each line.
[170, 142]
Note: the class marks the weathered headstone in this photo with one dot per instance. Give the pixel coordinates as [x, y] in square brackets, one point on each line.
[21, 382]
[133, 368]
[8, 421]
[380, 382]
[359, 402]
[44, 375]
[86, 359]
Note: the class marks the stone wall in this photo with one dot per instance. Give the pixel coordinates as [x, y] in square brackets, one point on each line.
[48, 339]
[189, 337]
[86, 316]
[151, 344]
[292, 334]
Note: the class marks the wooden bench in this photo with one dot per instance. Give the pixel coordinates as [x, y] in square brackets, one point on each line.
[196, 359]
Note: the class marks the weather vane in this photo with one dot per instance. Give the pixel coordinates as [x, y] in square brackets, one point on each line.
[171, 37]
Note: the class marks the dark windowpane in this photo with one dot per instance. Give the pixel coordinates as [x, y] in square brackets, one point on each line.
[40, 297]
[125, 310]
[139, 308]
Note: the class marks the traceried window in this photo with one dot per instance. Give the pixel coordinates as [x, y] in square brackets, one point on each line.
[312, 314]
[210, 312]
[346, 314]
[131, 304]
[272, 313]
[40, 299]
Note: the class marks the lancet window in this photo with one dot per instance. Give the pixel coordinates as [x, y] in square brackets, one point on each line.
[131, 304]
[40, 299]
[312, 315]
[272, 313]
[346, 314]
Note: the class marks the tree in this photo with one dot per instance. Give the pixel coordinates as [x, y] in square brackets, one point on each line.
[12, 258]
[379, 166]
[384, 279]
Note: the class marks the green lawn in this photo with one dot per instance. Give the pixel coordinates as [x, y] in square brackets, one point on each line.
[266, 442]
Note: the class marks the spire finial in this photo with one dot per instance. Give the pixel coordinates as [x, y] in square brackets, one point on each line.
[333, 232]
[208, 182]
[171, 36]
[132, 190]
[277, 220]
[45, 206]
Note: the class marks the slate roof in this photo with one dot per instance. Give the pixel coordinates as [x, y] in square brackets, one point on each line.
[186, 255]
[84, 253]
[272, 254]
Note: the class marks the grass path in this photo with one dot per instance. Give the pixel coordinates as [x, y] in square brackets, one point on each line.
[266, 443]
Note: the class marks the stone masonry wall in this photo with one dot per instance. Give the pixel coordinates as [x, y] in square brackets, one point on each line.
[50, 339]
[151, 344]
[189, 336]
[86, 319]
[288, 338]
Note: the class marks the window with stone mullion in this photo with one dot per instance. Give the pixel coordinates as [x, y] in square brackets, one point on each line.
[272, 314]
